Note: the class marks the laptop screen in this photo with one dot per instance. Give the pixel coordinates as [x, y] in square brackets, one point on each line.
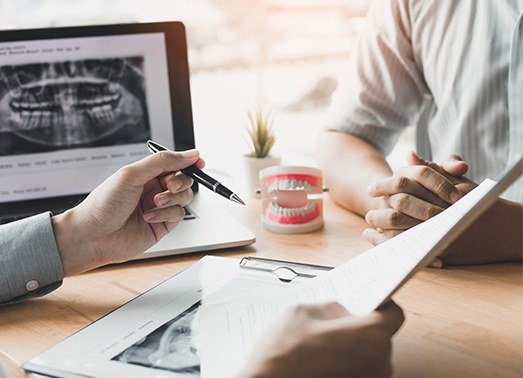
[75, 110]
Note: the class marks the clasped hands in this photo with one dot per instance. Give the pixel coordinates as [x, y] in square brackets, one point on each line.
[414, 194]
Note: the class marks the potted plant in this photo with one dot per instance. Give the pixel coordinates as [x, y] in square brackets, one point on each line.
[261, 140]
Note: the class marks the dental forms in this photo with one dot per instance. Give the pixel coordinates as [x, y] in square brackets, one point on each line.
[291, 199]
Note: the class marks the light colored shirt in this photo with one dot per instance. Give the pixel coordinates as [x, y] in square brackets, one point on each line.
[30, 264]
[454, 68]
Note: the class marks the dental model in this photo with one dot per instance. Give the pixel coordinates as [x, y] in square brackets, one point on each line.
[291, 199]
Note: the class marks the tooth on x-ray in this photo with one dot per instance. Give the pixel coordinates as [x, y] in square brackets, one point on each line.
[73, 103]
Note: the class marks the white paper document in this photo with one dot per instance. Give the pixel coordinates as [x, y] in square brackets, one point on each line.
[361, 285]
[157, 334]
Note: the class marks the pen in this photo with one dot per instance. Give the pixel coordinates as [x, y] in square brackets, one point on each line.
[199, 176]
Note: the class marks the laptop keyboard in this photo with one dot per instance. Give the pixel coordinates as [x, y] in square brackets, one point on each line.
[189, 214]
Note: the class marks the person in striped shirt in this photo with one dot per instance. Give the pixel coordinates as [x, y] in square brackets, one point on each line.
[455, 70]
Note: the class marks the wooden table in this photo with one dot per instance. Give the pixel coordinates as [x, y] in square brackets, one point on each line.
[460, 322]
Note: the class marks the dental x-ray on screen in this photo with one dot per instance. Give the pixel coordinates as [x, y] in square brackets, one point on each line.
[53, 106]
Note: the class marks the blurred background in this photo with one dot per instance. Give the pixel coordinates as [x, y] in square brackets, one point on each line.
[285, 54]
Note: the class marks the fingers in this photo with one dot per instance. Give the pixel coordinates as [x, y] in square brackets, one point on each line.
[172, 214]
[432, 181]
[376, 237]
[413, 206]
[390, 219]
[142, 171]
[388, 319]
[167, 199]
[437, 263]
[200, 163]
[323, 311]
[389, 316]
[176, 182]
[455, 166]
[401, 184]
[414, 159]
[331, 310]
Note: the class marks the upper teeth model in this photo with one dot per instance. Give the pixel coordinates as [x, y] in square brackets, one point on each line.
[291, 199]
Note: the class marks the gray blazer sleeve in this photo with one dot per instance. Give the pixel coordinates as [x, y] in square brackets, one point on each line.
[30, 265]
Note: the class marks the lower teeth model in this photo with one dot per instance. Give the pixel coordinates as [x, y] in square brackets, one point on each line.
[291, 199]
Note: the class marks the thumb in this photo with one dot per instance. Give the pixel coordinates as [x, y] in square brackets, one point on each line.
[455, 166]
[142, 171]
[388, 317]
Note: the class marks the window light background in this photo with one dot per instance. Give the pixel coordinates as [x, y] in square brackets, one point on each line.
[285, 54]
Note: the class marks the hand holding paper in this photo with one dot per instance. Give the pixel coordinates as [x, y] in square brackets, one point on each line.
[350, 346]
[361, 285]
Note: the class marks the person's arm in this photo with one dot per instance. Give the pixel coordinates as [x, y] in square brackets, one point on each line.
[30, 264]
[123, 217]
[350, 165]
[383, 93]
[497, 236]
[325, 341]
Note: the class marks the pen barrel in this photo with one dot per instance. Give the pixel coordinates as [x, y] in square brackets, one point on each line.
[201, 177]
[223, 191]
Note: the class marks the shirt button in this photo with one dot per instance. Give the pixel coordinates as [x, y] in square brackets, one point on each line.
[32, 285]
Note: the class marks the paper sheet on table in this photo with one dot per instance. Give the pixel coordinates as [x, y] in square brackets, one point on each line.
[361, 285]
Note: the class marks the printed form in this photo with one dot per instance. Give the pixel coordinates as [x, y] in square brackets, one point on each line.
[361, 285]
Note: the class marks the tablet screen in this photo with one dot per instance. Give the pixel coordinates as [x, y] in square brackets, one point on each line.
[75, 110]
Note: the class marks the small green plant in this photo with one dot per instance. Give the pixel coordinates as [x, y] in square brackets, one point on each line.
[260, 132]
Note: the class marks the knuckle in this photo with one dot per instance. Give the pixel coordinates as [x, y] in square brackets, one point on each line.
[400, 183]
[431, 211]
[163, 156]
[399, 201]
[393, 218]
[127, 173]
[442, 187]
[423, 172]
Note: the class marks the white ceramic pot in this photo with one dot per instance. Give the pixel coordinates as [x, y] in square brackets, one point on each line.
[251, 170]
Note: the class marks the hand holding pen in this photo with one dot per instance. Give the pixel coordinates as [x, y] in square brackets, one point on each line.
[199, 176]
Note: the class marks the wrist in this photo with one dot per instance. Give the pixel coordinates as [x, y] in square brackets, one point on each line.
[71, 243]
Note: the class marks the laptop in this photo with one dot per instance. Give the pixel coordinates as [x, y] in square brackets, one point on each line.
[78, 103]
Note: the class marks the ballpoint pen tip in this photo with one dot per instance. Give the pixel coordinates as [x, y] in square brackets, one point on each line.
[235, 198]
